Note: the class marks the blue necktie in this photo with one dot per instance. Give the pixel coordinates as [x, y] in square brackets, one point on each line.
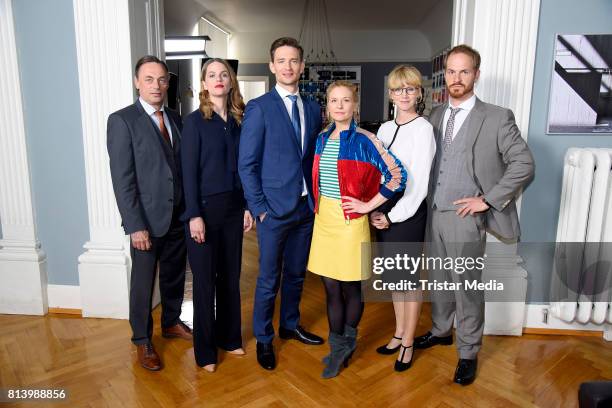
[295, 119]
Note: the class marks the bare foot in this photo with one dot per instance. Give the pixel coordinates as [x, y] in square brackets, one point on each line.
[237, 352]
[211, 368]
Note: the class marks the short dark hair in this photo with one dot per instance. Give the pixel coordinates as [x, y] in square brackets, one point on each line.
[288, 41]
[467, 50]
[145, 60]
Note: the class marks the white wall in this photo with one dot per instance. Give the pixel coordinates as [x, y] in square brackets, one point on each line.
[437, 26]
[350, 46]
[218, 44]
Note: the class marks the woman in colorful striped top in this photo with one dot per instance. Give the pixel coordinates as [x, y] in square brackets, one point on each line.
[347, 170]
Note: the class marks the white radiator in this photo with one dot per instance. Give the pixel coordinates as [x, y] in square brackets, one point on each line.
[585, 216]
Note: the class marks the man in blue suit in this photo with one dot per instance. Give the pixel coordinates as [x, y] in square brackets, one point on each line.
[275, 165]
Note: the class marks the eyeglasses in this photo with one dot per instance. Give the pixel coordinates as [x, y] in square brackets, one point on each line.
[409, 90]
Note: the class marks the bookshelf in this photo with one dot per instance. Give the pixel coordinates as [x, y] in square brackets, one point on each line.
[316, 78]
[439, 94]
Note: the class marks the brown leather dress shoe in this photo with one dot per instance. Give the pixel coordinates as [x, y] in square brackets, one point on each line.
[179, 330]
[147, 357]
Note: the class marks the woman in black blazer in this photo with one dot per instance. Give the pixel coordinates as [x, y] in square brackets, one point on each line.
[215, 214]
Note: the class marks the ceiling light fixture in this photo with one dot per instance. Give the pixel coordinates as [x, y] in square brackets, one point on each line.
[315, 35]
[186, 46]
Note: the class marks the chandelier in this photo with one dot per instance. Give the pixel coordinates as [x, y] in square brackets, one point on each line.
[315, 36]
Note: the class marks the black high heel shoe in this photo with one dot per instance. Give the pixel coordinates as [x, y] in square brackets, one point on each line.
[386, 351]
[399, 364]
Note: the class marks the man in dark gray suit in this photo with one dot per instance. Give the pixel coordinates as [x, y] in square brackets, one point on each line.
[143, 143]
[481, 164]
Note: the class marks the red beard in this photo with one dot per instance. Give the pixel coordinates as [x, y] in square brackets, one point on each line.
[459, 91]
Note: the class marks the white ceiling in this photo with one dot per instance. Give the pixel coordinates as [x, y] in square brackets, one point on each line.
[279, 15]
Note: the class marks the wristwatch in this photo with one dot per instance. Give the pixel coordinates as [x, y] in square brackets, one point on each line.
[387, 217]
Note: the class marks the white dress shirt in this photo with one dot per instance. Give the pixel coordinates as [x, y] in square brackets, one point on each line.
[289, 105]
[151, 112]
[466, 107]
[415, 147]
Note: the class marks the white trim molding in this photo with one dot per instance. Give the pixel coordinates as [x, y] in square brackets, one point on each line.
[23, 265]
[505, 34]
[64, 296]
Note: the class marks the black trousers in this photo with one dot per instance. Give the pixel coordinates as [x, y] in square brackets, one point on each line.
[170, 252]
[216, 265]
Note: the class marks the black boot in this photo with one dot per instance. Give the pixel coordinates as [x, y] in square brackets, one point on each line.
[351, 334]
[340, 351]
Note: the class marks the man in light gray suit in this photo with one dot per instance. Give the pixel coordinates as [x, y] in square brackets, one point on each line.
[481, 164]
[143, 142]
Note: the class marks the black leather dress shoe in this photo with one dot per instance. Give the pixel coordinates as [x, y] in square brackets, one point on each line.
[300, 334]
[427, 340]
[265, 355]
[466, 371]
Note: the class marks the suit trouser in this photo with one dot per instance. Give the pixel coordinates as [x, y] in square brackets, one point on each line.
[216, 274]
[449, 235]
[284, 245]
[169, 250]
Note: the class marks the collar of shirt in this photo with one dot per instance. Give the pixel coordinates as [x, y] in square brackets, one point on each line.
[148, 108]
[466, 106]
[284, 93]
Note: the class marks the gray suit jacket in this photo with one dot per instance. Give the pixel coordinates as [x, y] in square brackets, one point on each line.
[144, 170]
[499, 161]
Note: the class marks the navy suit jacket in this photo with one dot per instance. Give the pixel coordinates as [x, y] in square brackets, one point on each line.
[271, 164]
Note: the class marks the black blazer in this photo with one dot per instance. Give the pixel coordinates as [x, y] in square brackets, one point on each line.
[209, 156]
[145, 171]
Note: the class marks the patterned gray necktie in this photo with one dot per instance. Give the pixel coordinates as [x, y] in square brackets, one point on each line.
[448, 135]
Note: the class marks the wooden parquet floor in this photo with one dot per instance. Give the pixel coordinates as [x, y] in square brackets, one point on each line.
[94, 361]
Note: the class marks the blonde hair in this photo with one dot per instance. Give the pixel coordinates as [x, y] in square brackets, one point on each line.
[235, 103]
[404, 75]
[342, 84]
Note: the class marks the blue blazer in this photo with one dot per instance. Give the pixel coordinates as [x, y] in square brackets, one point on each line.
[271, 164]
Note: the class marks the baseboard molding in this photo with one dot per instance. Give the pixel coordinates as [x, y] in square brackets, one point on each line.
[562, 332]
[64, 311]
[64, 297]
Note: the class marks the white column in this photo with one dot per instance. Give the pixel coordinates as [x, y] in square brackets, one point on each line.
[104, 59]
[23, 265]
[504, 32]
[110, 36]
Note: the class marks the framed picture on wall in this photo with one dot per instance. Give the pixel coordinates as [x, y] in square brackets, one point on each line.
[581, 84]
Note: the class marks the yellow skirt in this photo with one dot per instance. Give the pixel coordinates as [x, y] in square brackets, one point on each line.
[336, 250]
